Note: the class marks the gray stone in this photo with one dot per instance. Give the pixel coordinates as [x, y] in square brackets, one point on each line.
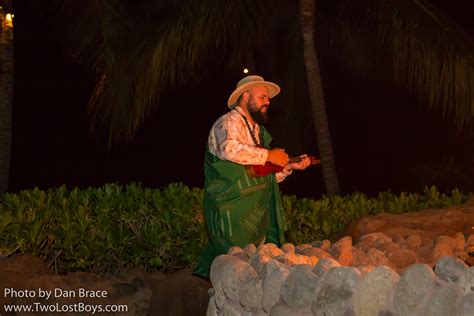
[258, 312]
[211, 308]
[470, 240]
[302, 247]
[251, 294]
[284, 310]
[378, 237]
[234, 250]
[341, 250]
[414, 242]
[274, 265]
[388, 247]
[273, 285]
[365, 269]
[315, 252]
[460, 241]
[450, 269]
[250, 249]
[466, 305]
[401, 259]
[238, 252]
[349, 311]
[365, 244]
[242, 256]
[216, 274]
[259, 262]
[270, 250]
[441, 302]
[219, 298]
[399, 239]
[234, 309]
[379, 242]
[234, 278]
[217, 266]
[414, 284]
[324, 265]
[443, 246]
[290, 259]
[324, 244]
[470, 243]
[211, 292]
[343, 242]
[334, 291]
[288, 281]
[298, 289]
[470, 250]
[287, 248]
[425, 242]
[466, 281]
[373, 293]
[378, 258]
[425, 255]
[462, 255]
[360, 257]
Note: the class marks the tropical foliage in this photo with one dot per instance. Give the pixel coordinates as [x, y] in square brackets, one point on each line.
[142, 49]
[431, 54]
[118, 227]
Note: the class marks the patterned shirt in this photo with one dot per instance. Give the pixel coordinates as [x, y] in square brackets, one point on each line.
[230, 139]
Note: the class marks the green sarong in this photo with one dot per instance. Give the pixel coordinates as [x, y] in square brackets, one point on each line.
[238, 209]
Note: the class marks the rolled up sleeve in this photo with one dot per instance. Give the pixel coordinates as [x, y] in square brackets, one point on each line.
[228, 140]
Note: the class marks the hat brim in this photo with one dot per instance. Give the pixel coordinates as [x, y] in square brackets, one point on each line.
[273, 90]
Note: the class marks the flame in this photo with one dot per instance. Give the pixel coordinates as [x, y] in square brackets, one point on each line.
[8, 22]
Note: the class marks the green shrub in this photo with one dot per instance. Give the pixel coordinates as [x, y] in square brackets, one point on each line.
[115, 227]
[310, 220]
[105, 229]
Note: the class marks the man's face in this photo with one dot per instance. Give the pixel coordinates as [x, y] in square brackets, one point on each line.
[258, 103]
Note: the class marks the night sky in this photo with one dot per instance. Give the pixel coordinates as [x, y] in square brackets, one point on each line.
[383, 138]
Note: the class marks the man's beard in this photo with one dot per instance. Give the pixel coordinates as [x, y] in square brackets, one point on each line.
[257, 115]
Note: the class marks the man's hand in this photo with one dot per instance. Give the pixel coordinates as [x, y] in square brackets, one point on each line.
[304, 163]
[278, 156]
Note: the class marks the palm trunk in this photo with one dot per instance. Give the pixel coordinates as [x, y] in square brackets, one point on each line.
[316, 96]
[6, 97]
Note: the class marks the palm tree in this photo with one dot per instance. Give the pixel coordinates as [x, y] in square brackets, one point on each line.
[430, 53]
[318, 104]
[140, 51]
[6, 95]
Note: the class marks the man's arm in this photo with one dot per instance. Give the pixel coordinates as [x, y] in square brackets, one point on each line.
[304, 163]
[228, 140]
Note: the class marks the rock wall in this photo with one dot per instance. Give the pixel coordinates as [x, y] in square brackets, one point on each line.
[379, 275]
[429, 223]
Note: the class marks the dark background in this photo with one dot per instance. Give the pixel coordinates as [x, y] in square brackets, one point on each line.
[383, 137]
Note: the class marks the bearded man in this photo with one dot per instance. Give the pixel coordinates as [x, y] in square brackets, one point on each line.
[239, 207]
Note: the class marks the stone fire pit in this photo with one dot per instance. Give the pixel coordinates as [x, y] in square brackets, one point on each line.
[378, 275]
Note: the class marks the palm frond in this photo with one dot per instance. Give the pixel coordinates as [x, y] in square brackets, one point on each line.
[141, 50]
[432, 55]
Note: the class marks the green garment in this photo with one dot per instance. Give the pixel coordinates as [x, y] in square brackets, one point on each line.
[238, 209]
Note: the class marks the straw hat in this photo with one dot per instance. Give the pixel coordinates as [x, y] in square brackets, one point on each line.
[250, 82]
